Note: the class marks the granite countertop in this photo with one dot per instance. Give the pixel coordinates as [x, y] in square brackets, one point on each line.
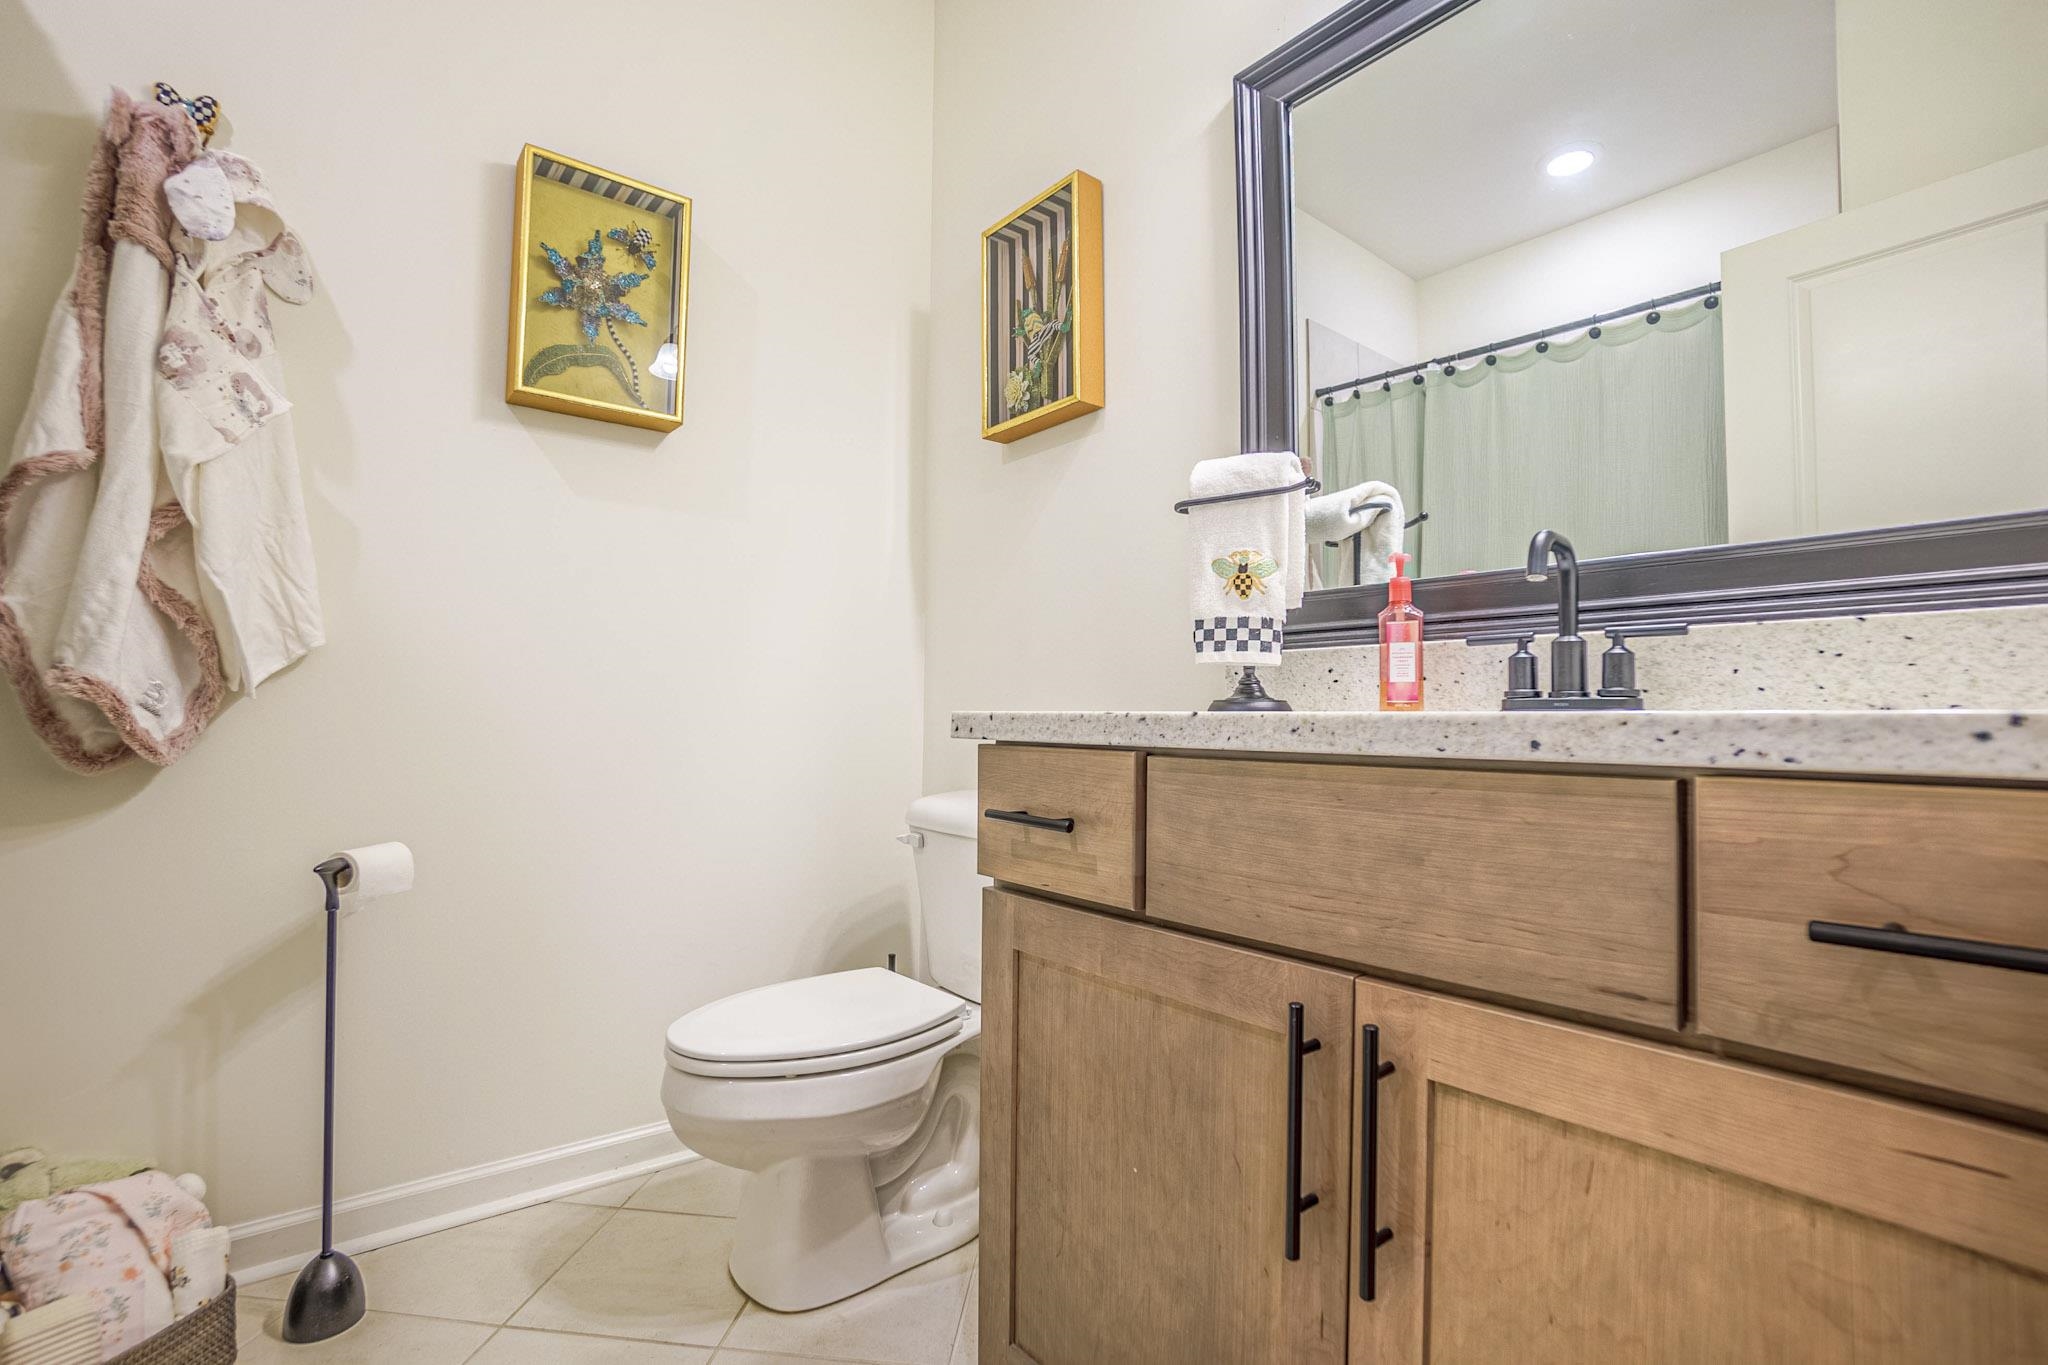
[1955, 743]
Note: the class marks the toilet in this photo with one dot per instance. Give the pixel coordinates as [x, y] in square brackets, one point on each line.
[852, 1100]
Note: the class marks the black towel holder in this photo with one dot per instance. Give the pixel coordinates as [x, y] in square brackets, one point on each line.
[1309, 485]
[1250, 695]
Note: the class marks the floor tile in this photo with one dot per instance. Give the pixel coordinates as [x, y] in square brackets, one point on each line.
[967, 1345]
[250, 1317]
[909, 1320]
[482, 1271]
[512, 1346]
[379, 1339]
[732, 1357]
[693, 1187]
[655, 1276]
[273, 1288]
[610, 1196]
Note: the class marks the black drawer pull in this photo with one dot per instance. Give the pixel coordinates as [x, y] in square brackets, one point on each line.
[1063, 823]
[1371, 1236]
[1297, 1202]
[1894, 938]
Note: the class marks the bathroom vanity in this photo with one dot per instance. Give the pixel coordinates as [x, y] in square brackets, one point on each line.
[1498, 1037]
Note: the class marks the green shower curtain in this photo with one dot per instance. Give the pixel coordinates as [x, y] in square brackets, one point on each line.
[1616, 441]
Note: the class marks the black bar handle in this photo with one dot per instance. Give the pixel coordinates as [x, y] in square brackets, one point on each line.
[1297, 1202]
[1895, 938]
[1371, 1236]
[1063, 823]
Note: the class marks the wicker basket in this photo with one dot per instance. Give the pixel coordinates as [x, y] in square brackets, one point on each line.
[206, 1337]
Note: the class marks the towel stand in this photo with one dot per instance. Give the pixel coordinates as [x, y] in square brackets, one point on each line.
[1250, 694]
[1309, 486]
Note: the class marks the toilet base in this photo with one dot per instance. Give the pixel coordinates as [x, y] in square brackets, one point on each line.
[813, 1230]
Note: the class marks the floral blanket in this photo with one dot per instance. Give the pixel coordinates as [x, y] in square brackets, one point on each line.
[111, 1243]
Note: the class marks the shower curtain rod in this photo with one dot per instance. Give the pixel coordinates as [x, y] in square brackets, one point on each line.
[1645, 306]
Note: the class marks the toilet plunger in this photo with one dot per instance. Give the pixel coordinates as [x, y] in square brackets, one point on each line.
[327, 1298]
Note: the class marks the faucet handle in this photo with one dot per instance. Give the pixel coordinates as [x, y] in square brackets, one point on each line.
[1521, 663]
[1621, 632]
[1618, 663]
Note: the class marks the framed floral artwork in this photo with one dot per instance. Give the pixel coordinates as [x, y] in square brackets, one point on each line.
[1041, 311]
[600, 294]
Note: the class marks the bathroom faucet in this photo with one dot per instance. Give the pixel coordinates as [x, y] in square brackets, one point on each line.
[1618, 690]
[1568, 650]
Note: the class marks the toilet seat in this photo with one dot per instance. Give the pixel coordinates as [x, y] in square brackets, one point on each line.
[814, 1024]
[812, 1066]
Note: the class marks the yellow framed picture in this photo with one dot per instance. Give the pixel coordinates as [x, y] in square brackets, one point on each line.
[600, 294]
[1041, 311]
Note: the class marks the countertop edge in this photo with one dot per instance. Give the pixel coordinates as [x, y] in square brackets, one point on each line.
[2004, 745]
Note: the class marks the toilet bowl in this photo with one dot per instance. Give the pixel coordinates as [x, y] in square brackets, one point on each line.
[852, 1100]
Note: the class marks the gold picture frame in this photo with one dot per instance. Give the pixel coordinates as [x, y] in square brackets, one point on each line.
[599, 324]
[1041, 311]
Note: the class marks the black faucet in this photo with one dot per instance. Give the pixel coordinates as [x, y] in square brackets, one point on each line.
[1618, 690]
[1568, 650]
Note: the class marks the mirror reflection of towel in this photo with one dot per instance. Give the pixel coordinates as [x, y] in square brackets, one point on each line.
[1373, 508]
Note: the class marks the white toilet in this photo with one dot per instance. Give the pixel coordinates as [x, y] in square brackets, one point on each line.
[853, 1100]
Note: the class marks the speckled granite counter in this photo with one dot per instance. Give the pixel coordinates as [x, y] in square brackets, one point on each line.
[1983, 744]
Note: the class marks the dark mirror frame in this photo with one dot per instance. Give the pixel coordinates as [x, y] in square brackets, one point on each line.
[1981, 561]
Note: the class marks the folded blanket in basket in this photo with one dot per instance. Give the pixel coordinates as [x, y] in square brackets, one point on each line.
[109, 1244]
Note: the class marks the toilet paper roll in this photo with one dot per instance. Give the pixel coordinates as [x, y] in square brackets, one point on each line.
[373, 871]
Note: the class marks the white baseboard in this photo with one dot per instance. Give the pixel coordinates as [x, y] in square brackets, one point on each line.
[271, 1246]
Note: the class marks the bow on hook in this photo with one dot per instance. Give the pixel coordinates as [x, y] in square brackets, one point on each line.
[204, 111]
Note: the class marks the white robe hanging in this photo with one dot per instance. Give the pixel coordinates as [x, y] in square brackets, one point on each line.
[107, 624]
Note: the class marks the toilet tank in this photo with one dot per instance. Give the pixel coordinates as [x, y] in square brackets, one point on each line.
[948, 889]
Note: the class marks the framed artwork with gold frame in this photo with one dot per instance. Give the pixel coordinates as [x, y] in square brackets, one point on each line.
[1041, 311]
[600, 293]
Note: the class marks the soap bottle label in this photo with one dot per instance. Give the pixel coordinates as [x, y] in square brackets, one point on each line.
[1401, 659]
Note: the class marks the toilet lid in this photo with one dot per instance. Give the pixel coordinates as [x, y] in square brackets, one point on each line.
[814, 1016]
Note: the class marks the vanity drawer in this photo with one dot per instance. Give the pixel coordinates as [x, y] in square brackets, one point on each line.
[1076, 825]
[1540, 886]
[1953, 862]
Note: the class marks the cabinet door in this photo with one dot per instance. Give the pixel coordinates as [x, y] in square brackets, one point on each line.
[1135, 1146]
[1560, 1194]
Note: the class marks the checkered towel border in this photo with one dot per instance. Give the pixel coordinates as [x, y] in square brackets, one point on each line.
[1238, 635]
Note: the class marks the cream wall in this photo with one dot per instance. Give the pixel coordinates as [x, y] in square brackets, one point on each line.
[1343, 286]
[1055, 573]
[1660, 244]
[648, 709]
[1931, 90]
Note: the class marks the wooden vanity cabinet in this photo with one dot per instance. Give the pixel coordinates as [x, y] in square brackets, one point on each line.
[1557, 1193]
[1135, 1146]
[1550, 1191]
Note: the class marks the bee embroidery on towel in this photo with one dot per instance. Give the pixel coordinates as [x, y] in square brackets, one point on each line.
[1244, 570]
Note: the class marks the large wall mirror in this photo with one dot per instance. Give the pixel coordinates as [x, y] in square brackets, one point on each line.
[1749, 298]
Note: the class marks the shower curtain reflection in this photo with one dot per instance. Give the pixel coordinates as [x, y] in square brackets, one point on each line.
[1615, 439]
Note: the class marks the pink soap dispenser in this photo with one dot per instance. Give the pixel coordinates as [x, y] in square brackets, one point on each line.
[1401, 643]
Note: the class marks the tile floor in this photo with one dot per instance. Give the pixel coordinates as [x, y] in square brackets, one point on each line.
[626, 1274]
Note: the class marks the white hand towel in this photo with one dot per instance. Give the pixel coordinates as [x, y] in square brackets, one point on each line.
[1247, 561]
[1379, 513]
[199, 1268]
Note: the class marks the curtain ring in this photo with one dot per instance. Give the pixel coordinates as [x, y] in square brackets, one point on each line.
[1654, 318]
[1450, 370]
[1713, 300]
[1541, 347]
[1493, 360]
[1418, 378]
[1593, 332]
